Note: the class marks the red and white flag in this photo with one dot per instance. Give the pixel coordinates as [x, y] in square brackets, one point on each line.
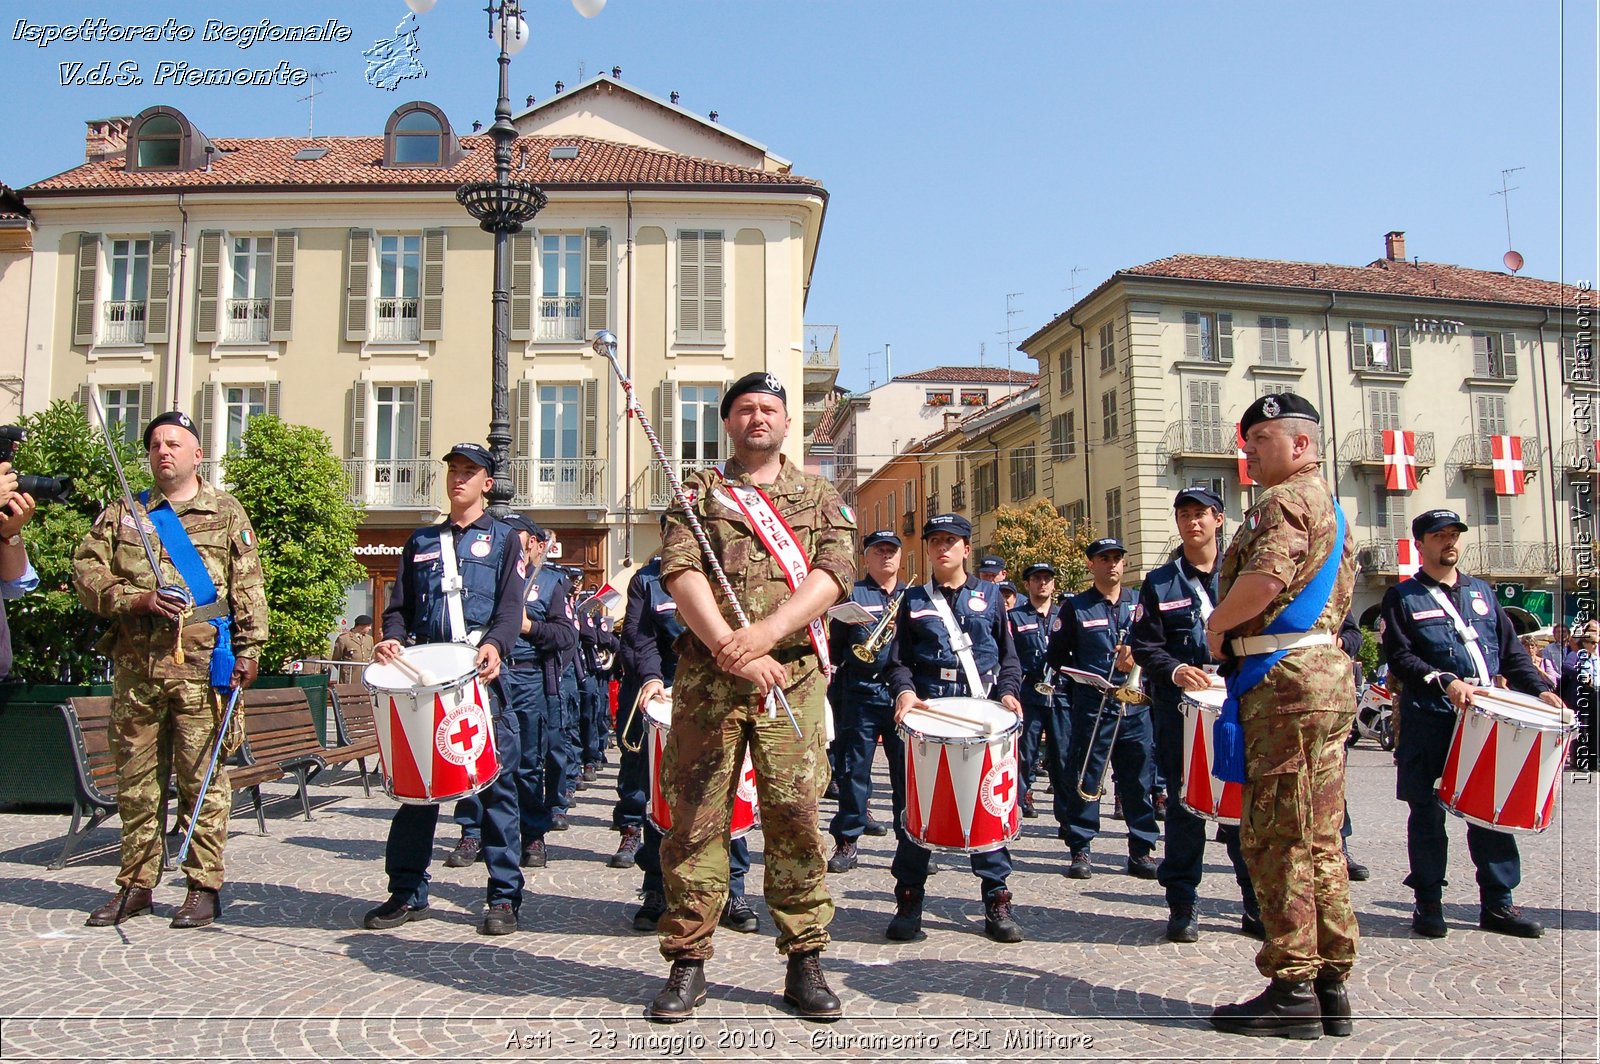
[1505, 454]
[1238, 435]
[1406, 560]
[1399, 460]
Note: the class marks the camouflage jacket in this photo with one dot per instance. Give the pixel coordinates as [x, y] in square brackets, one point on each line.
[110, 570]
[812, 507]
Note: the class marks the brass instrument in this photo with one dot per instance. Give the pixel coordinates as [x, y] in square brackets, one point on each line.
[1131, 693]
[881, 633]
[1047, 685]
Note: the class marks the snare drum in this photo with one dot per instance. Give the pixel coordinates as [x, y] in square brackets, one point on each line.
[961, 785]
[1503, 769]
[435, 737]
[1203, 794]
[658, 725]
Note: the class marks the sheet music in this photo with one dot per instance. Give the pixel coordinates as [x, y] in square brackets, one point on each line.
[851, 613]
[1088, 678]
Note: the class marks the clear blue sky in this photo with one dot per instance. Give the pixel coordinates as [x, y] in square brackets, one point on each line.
[973, 149]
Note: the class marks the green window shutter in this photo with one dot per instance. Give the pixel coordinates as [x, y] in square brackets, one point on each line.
[1191, 335]
[597, 281]
[1225, 337]
[87, 275]
[1402, 349]
[208, 281]
[424, 419]
[208, 419]
[158, 301]
[431, 311]
[358, 289]
[284, 245]
[275, 398]
[589, 431]
[358, 419]
[1508, 356]
[1360, 357]
[688, 286]
[522, 443]
[712, 318]
[522, 285]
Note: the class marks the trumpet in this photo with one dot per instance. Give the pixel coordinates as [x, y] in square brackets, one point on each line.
[1132, 693]
[1047, 686]
[881, 633]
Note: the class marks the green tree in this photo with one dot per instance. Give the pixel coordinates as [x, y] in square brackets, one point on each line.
[1039, 534]
[297, 495]
[52, 635]
[1371, 653]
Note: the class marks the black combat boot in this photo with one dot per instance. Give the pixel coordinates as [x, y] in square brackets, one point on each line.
[466, 852]
[1181, 923]
[907, 922]
[806, 990]
[845, 855]
[627, 848]
[1282, 1010]
[1334, 1002]
[1427, 919]
[652, 907]
[686, 988]
[998, 923]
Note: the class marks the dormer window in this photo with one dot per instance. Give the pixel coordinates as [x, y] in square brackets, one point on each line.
[161, 138]
[418, 134]
[160, 143]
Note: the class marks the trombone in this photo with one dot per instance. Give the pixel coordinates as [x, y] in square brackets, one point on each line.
[881, 633]
[1132, 693]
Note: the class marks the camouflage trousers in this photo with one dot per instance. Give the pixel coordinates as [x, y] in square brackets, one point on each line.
[162, 727]
[1289, 837]
[714, 719]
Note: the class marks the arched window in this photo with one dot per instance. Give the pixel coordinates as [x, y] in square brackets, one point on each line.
[418, 134]
[160, 141]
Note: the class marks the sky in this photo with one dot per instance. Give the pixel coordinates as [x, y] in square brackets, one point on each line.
[975, 150]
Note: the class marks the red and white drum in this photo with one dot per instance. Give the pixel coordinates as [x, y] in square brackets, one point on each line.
[434, 723]
[1503, 770]
[961, 779]
[1203, 794]
[658, 725]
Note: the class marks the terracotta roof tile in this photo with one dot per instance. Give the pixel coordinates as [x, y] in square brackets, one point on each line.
[358, 162]
[970, 375]
[828, 423]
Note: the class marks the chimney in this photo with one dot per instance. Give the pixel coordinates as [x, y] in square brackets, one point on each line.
[713, 116]
[1394, 245]
[675, 96]
[105, 137]
[950, 420]
[616, 72]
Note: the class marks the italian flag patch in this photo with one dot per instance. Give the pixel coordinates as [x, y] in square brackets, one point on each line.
[247, 538]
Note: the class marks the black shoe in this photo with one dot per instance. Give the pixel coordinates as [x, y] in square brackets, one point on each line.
[1181, 924]
[501, 919]
[467, 851]
[393, 913]
[832, 791]
[1250, 921]
[1079, 868]
[559, 822]
[1359, 873]
[875, 828]
[1509, 920]
[1116, 808]
[1142, 867]
[805, 989]
[1333, 1001]
[628, 849]
[1427, 919]
[591, 772]
[907, 922]
[845, 855]
[686, 988]
[1282, 1010]
[533, 855]
[652, 907]
[998, 923]
[738, 916]
[1027, 806]
[1160, 804]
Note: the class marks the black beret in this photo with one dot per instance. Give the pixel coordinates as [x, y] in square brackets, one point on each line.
[475, 453]
[365, 618]
[881, 536]
[1101, 546]
[1037, 568]
[953, 524]
[1277, 405]
[1196, 493]
[754, 382]
[171, 417]
[1434, 520]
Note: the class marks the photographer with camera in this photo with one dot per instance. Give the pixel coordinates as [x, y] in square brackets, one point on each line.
[17, 577]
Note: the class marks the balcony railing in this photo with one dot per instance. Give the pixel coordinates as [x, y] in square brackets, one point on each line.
[1579, 456]
[660, 488]
[124, 322]
[958, 496]
[1366, 448]
[393, 484]
[1198, 438]
[560, 318]
[248, 321]
[931, 505]
[1475, 454]
[1510, 557]
[557, 481]
[908, 523]
[395, 320]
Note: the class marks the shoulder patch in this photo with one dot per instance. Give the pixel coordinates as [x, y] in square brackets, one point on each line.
[247, 537]
[849, 514]
[1055, 625]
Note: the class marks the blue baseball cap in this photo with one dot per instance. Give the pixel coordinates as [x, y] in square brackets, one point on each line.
[1103, 546]
[475, 453]
[1038, 568]
[1197, 494]
[883, 535]
[1434, 520]
[991, 563]
[953, 524]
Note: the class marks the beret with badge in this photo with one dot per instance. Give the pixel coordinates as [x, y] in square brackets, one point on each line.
[764, 383]
[171, 417]
[1276, 406]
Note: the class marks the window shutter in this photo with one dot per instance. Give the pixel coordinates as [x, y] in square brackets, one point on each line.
[208, 419]
[522, 285]
[88, 273]
[357, 289]
[1360, 357]
[431, 313]
[1482, 363]
[1402, 349]
[424, 419]
[1191, 335]
[207, 283]
[147, 400]
[1508, 356]
[597, 282]
[1225, 337]
[284, 245]
[688, 286]
[358, 419]
[589, 431]
[83, 398]
[711, 302]
[667, 417]
[275, 398]
[522, 443]
[158, 301]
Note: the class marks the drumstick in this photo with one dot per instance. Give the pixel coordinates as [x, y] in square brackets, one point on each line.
[418, 676]
[984, 726]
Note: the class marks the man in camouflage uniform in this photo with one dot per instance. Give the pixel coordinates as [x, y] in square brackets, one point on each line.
[721, 704]
[1294, 719]
[165, 713]
[354, 645]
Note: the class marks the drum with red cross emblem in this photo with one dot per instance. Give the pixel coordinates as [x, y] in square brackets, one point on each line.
[434, 724]
[961, 775]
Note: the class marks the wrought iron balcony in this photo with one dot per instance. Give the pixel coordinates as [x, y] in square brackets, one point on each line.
[395, 320]
[931, 505]
[908, 523]
[393, 484]
[560, 318]
[1578, 456]
[123, 322]
[557, 482]
[1198, 439]
[1365, 448]
[1510, 557]
[1475, 454]
[660, 488]
[958, 496]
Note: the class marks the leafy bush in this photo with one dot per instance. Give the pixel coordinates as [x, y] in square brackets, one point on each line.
[1039, 534]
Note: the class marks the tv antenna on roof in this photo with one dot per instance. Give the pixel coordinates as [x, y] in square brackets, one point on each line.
[1011, 312]
[316, 87]
[1072, 284]
[1512, 258]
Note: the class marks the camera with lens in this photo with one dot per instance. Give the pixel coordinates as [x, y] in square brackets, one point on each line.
[43, 489]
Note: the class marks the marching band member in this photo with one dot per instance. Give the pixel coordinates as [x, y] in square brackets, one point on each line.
[1045, 717]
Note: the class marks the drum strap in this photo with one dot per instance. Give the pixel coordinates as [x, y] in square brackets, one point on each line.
[452, 586]
[1468, 634]
[1199, 589]
[960, 641]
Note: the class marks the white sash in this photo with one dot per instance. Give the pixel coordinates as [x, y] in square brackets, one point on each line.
[960, 641]
[1468, 634]
[452, 590]
[1199, 589]
[779, 539]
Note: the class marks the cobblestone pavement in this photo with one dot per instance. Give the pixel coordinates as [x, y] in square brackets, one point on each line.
[287, 973]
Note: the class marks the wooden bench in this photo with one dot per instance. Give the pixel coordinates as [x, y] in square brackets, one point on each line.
[279, 732]
[95, 784]
[356, 730]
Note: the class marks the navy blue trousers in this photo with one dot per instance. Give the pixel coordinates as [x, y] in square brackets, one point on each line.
[1183, 859]
[860, 724]
[1131, 764]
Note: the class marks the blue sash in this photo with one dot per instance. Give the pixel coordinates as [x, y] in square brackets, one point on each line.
[1227, 737]
[180, 548]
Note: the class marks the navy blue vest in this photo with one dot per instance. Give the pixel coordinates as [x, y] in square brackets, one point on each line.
[933, 657]
[661, 614]
[546, 587]
[864, 682]
[1181, 623]
[1100, 627]
[1434, 638]
[480, 555]
[1030, 630]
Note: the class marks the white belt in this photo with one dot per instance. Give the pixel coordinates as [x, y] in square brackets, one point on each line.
[1269, 644]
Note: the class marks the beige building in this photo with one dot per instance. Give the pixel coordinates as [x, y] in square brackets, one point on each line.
[337, 282]
[1143, 381]
[16, 270]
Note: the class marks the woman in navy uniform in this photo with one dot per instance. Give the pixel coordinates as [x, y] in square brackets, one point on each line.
[924, 665]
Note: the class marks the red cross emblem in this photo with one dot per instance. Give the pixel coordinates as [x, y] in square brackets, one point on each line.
[1002, 787]
[463, 735]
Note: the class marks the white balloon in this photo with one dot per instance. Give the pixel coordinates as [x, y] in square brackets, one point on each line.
[513, 35]
[589, 8]
[421, 7]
